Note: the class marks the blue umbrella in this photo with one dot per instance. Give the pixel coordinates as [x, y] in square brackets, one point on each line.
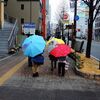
[33, 45]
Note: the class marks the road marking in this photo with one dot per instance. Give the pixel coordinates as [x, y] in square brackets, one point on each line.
[8, 75]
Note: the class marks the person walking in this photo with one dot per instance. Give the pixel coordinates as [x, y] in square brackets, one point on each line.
[36, 62]
[58, 33]
[33, 47]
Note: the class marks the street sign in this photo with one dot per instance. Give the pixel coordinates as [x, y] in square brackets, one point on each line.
[28, 28]
[76, 17]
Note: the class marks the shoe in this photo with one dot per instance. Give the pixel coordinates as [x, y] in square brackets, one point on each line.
[29, 65]
[51, 69]
[35, 74]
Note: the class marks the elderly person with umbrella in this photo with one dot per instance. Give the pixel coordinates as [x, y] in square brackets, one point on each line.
[33, 47]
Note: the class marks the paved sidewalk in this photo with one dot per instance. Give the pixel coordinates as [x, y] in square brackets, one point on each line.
[48, 86]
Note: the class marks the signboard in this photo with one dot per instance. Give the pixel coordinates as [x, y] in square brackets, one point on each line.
[28, 28]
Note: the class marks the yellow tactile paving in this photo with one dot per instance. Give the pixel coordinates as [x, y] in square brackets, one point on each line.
[8, 74]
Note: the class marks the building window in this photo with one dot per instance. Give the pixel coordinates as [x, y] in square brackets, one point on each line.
[22, 6]
[22, 20]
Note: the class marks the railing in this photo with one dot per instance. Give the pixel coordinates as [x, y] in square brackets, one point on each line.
[12, 37]
[14, 31]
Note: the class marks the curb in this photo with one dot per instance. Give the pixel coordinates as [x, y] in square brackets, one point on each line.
[86, 75]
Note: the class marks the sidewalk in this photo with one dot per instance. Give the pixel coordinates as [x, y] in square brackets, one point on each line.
[90, 67]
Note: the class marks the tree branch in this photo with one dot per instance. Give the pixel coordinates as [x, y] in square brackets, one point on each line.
[97, 11]
[96, 3]
[86, 2]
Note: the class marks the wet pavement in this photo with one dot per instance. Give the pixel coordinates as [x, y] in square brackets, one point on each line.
[48, 86]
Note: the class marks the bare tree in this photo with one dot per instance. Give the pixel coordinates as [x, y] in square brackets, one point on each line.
[94, 8]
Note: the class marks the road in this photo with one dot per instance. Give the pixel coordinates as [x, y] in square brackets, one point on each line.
[16, 83]
[95, 49]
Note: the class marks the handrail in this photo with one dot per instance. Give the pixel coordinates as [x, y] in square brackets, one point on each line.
[12, 36]
[12, 30]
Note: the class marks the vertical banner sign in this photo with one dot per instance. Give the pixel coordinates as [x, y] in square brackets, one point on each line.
[44, 18]
[29, 28]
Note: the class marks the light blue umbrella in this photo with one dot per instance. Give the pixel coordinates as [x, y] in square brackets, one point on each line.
[33, 45]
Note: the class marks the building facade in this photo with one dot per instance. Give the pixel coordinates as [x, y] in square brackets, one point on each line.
[26, 11]
[97, 27]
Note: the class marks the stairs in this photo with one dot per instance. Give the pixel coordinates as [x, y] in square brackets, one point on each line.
[4, 35]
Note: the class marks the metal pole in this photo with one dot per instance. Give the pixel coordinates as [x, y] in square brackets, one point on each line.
[63, 38]
[75, 13]
[68, 36]
[74, 33]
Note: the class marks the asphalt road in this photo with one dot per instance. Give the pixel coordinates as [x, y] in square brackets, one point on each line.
[95, 49]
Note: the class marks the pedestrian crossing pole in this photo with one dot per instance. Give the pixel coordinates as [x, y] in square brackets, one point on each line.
[43, 18]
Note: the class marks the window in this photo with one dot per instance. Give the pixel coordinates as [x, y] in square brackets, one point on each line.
[22, 20]
[22, 6]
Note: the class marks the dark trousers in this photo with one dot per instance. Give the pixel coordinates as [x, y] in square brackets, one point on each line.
[61, 68]
[53, 64]
[29, 62]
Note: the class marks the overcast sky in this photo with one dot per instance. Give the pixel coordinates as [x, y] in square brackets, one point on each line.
[54, 6]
